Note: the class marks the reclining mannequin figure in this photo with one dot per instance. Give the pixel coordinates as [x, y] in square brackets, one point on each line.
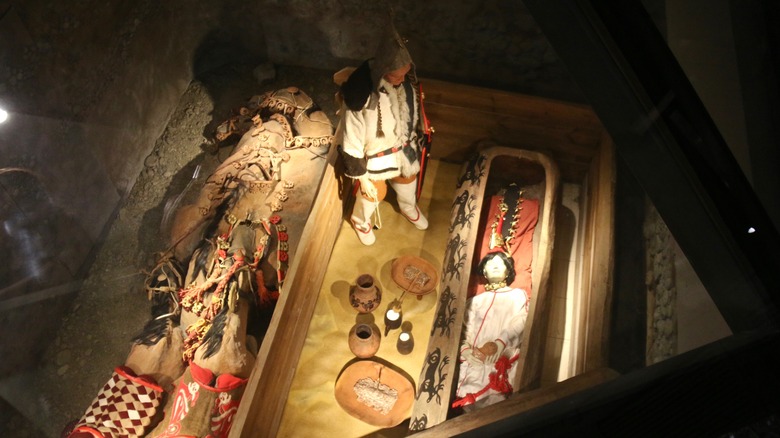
[494, 324]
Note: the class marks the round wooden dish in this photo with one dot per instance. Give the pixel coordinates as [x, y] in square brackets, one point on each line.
[415, 275]
[348, 400]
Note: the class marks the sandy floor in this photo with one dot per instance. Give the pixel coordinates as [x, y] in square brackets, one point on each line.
[326, 351]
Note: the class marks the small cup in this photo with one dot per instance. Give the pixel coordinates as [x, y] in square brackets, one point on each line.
[405, 343]
[393, 317]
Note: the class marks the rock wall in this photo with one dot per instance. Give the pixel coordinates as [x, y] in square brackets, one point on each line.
[492, 43]
[89, 87]
[661, 288]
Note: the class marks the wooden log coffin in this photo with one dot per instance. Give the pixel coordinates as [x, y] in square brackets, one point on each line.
[489, 169]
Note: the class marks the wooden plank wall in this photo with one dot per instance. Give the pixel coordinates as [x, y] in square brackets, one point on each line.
[535, 336]
[463, 116]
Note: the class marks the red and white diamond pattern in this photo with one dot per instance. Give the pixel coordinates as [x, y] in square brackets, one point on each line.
[123, 408]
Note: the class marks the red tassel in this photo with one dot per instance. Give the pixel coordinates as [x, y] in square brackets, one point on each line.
[498, 381]
[465, 401]
[262, 292]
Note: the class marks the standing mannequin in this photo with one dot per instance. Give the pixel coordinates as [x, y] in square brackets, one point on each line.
[494, 324]
[379, 129]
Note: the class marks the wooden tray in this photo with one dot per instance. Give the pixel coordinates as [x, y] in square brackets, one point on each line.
[348, 399]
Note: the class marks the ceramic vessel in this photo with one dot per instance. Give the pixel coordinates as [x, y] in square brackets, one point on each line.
[405, 343]
[365, 295]
[364, 340]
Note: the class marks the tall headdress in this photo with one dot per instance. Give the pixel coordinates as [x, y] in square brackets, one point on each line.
[391, 54]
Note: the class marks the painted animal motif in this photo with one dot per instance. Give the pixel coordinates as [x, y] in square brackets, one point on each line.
[418, 424]
[455, 257]
[445, 315]
[475, 170]
[464, 206]
[433, 383]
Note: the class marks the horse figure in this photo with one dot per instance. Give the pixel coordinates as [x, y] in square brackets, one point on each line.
[234, 300]
[141, 384]
[220, 361]
[196, 352]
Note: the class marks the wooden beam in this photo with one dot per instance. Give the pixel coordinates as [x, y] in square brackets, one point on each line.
[263, 402]
[519, 403]
[601, 214]
[532, 349]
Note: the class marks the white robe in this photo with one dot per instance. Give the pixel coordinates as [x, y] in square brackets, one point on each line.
[497, 316]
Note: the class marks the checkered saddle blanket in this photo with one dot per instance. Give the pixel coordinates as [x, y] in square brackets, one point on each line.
[124, 407]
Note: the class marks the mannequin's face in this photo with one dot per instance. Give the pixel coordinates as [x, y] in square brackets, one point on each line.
[495, 270]
[396, 77]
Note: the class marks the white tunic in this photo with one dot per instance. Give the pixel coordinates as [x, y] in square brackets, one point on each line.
[360, 132]
[497, 316]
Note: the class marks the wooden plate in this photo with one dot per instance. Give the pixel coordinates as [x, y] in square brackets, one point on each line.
[414, 275]
[378, 373]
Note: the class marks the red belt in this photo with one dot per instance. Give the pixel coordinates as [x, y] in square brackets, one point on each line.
[392, 150]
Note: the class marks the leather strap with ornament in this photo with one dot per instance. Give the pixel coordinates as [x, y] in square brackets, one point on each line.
[224, 268]
[282, 249]
[503, 230]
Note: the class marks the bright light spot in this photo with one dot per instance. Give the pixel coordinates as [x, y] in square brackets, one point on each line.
[751, 230]
[392, 315]
[404, 337]
[3, 115]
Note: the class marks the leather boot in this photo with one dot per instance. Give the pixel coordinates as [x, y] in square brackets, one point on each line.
[361, 219]
[407, 202]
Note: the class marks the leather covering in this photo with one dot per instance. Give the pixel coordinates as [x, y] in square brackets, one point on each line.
[200, 408]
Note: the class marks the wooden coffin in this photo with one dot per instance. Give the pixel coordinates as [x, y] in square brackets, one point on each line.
[489, 170]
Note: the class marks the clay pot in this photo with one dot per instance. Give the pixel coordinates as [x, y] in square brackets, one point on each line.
[365, 295]
[364, 340]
